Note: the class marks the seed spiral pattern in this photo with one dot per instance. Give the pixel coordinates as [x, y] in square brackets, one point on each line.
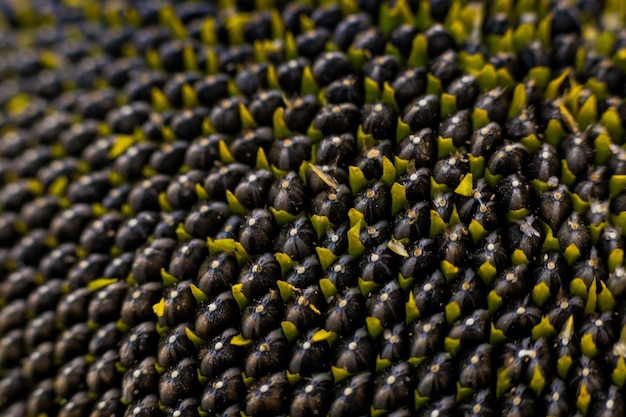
[308, 208]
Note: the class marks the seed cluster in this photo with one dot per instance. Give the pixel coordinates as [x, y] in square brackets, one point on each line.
[310, 208]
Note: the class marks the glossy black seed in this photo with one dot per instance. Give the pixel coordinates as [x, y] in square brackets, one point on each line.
[179, 382]
[514, 193]
[266, 355]
[15, 195]
[97, 104]
[19, 284]
[73, 307]
[402, 37]
[610, 402]
[138, 343]
[347, 29]
[224, 178]
[577, 153]
[518, 320]
[99, 236]
[352, 397]
[297, 239]
[544, 163]
[431, 293]
[258, 231]
[288, 194]
[311, 397]
[41, 363]
[422, 112]
[348, 89]
[446, 67]
[45, 297]
[439, 40]
[306, 309]
[11, 347]
[187, 407]
[268, 396]
[300, 112]
[264, 104]
[71, 377]
[480, 404]
[173, 88]
[379, 265]
[356, 352]
[309, 355]
[102, 374]
[222, 391]
[473, 329]
[289, 153]
[178, 305]
[336, 150]
[337, 119]
[215, 315]
[556, 399]
[312, 43]
[108, 404]
[187, 258]
[327, 16]
[550, 271]
[394, 343]
[371, 41]
[105, 305]
[419, 147]
[201, 154]
[116, 198]
[217, 273]
[344, 272]
[601, 329]
[147, 265]
[519, 400]
[413, 223]
[555, 206]
[560, 311]
[333, 204]
[436, 376]
[246, 147]
[225, 117]
[476, 367]
[181, 193]
[261, 316]
[422, 260]
[205, 219]
[38, 213]
[144, 195]
[371, 160]
[148, 406]
[13, 315]
[393, 388]
[574, 231]
[376, 234]
[137, 305]
[374, 202]
[41, 398]
[135, 232]
[427, 335]
[524, 235]
[290, 73]
[410, 86]
[252, 191]
[305, 273]
[103, 339]
[219, 354]
[174, 346]
[169, 158]
[140, 380]
[346, 312]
